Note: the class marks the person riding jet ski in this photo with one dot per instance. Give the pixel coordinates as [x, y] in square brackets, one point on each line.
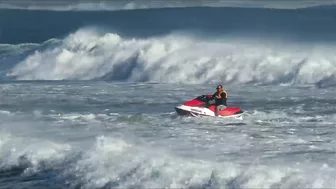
[218, 99]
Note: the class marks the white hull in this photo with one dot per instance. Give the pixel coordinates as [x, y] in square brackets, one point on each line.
[201, 111]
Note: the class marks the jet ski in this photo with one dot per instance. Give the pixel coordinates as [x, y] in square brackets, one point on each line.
[197, 107]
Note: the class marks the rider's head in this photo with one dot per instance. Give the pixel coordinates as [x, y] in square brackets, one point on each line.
[219, 87]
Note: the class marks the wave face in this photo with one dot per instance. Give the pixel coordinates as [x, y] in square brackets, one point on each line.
[185, 45]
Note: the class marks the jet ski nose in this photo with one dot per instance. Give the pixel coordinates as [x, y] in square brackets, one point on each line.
[180, 111]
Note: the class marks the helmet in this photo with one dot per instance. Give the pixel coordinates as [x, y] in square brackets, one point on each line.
[219, 86]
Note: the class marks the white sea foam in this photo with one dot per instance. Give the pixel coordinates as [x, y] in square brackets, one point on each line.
[179, 58]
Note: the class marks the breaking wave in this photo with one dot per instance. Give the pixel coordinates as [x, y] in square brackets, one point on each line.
[177, 45]
[88, 54]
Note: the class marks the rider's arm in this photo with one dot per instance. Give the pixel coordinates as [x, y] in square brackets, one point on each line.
[224, 95]
[224, 98]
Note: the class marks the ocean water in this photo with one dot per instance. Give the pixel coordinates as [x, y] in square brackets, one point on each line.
[87, 94]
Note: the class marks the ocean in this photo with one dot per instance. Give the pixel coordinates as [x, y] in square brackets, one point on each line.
[88, 91]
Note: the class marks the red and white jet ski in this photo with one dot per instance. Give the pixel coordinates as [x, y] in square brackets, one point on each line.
[196, 107]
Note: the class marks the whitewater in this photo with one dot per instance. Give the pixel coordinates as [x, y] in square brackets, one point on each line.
[88, 93]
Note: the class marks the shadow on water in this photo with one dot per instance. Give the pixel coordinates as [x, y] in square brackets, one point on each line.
[235, 124]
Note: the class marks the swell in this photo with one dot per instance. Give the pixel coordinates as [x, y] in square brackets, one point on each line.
[107, 5]
[20, 26]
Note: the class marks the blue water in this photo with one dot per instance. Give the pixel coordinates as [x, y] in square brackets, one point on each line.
[88, 93]
[22, 26]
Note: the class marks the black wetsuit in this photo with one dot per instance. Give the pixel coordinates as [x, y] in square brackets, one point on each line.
[219, 101]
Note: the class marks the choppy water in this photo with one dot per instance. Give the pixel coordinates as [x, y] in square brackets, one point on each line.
[124, 135]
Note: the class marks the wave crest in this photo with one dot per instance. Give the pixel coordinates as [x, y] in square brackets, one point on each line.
[87, 55]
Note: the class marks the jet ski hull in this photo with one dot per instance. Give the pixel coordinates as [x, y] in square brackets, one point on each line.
[229, 112]
[197, 107]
